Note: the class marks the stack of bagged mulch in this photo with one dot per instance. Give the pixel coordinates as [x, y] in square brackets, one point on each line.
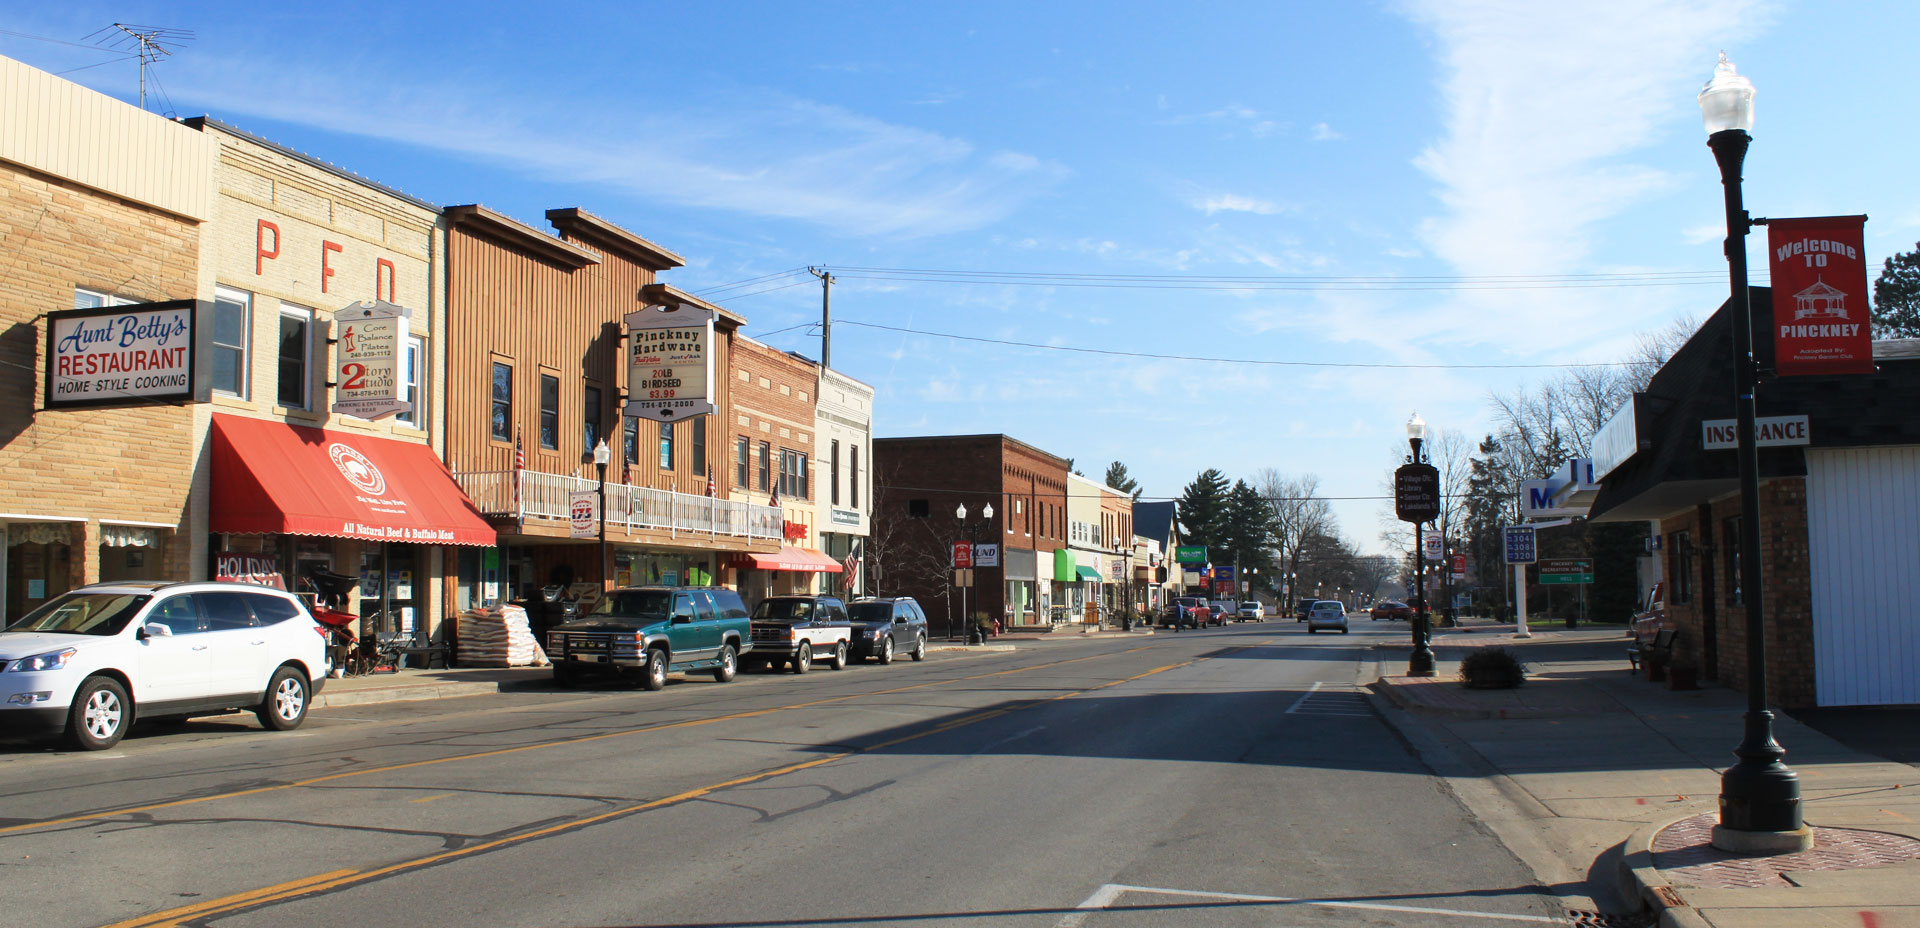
[499, 636]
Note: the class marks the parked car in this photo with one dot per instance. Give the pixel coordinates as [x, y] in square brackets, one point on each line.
[887, 625]
[1251, 611]
[648, 632]
[1221, 611]
[92, 661]
[1328, 614]
[1391, 609]
[1185, 612]
[1301, 608]
[797, 630]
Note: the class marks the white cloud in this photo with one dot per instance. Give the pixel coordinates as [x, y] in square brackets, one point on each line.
[1545, 107]
[1324, 133]
[767, 155]
[1234, 203]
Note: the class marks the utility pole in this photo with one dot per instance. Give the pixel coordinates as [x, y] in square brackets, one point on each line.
[826, 315]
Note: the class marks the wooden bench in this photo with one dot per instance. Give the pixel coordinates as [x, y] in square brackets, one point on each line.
[1651, 652]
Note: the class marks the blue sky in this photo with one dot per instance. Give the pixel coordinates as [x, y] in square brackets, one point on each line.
[1370, 142]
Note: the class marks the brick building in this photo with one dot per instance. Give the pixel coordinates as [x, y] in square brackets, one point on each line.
[843, 423]
[101, 206]
[1837, 512]
[775, 449]
[919, 483]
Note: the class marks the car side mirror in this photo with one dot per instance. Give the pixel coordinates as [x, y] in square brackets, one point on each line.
[157, 630]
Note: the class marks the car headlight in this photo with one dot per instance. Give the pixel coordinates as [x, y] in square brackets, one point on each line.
[52, 660]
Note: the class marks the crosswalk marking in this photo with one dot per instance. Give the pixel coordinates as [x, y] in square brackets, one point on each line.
[1316, 701]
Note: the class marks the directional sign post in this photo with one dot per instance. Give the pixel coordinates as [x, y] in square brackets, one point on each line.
[1566, 570]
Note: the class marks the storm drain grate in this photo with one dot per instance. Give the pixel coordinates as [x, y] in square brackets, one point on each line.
[1584, 919]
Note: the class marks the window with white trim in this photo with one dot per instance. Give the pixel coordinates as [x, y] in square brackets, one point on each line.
[296, 346]
[413, 375]
[232, 313]
[94, 299]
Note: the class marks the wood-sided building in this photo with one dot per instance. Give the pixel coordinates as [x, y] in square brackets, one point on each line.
[535, 381]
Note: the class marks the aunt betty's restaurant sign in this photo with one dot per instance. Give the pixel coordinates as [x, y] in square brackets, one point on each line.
[123, 355]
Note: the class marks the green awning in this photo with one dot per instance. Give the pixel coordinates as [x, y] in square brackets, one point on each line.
[1063, 567]
[1088, 573]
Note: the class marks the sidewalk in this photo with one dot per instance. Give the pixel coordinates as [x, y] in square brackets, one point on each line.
[1602, 765]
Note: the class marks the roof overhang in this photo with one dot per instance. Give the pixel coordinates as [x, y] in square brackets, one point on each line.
[578, 222]
[514, 234]
[670, 295]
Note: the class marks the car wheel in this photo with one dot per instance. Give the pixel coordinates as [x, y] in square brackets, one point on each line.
[919, 652]
[839, 661]
[655, 676]
[287, 700]
[886, 652]
[729, 664]
[1345, 630]
[100, 713]
[1311, 630]
[803, 658]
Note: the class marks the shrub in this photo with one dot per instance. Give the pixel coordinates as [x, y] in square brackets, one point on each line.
[1492, 669]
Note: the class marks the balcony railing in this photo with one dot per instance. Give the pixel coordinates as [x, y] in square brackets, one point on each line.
[547, 496]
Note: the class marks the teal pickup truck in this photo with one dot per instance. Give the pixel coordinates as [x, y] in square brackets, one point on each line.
[648, 632]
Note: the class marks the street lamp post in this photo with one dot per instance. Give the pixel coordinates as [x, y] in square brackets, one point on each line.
[973, 544]
[601, 455]
[1759, 795]
[1420, 662]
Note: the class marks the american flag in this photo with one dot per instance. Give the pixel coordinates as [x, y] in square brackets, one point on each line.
[775, 500]
[519, 464]
[710, 478]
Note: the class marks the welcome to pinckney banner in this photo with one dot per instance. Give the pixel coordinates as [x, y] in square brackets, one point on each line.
[1820, 317]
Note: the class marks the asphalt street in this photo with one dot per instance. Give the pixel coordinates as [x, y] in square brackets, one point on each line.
[1228, 777]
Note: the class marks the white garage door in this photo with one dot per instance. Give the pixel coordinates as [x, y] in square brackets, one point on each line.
[1863, 526]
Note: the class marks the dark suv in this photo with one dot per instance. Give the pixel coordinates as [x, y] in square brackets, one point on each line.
[887, 625]
[647, 631]
[1301, 609]
[797, 630]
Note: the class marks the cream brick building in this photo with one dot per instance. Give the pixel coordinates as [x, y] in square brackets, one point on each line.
[294, 241]
[101, 206]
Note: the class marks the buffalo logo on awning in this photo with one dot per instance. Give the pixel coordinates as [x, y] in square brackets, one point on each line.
[357, 469]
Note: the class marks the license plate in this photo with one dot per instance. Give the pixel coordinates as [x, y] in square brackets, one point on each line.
[587, 658]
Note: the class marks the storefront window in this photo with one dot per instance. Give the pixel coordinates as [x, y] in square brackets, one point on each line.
[666, 446]
[549, 411]
[414, 379]
[39, 564]
[131, 553]
[590, 414]
[502, 427]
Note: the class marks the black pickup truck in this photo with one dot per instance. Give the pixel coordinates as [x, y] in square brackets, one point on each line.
[798, 630]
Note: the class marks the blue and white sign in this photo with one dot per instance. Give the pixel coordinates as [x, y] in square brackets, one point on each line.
[1520, 548]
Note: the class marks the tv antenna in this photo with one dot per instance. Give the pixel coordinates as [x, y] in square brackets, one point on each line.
[148, 43]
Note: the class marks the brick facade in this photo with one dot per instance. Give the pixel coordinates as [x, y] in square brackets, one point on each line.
[1701, 579]
[81, 466]
[774, 409]
[919, 482]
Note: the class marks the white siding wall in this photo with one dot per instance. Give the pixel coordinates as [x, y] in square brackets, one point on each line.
[1863, 528]
[58, 127]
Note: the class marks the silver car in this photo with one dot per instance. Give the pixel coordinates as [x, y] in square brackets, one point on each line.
[1328, 614]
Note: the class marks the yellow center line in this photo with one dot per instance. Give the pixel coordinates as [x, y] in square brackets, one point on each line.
[430, 798]
[339, 879]
[499, 752]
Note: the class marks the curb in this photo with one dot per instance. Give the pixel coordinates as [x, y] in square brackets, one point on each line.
[1641, 880]
[410, 692]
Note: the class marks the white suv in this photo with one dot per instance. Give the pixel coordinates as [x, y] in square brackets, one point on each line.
[91, 661]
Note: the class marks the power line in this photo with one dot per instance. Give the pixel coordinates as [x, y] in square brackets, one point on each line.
[1266, 362]
[718, 288]
[1293, 282]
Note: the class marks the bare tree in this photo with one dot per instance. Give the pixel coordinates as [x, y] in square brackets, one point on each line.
[1298, 514]
[1652, 349]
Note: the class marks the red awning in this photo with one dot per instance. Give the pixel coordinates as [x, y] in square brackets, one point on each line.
[273, 478]
[789, 558]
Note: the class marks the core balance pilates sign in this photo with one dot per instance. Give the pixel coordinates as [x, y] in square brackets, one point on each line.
[123, 355]
[1819, 276]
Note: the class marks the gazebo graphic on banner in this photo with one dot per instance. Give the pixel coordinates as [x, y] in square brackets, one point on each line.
[1820, 301]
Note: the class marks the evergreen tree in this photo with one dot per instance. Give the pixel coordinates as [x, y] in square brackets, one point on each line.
[1896, 297]
[1490, 493]
[1117, 478]
[1202, 509]
[1250, 529]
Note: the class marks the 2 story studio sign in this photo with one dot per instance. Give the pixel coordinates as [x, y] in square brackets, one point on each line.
[1818, 270]
[368, 379]
[669, 362]
[124, 355]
